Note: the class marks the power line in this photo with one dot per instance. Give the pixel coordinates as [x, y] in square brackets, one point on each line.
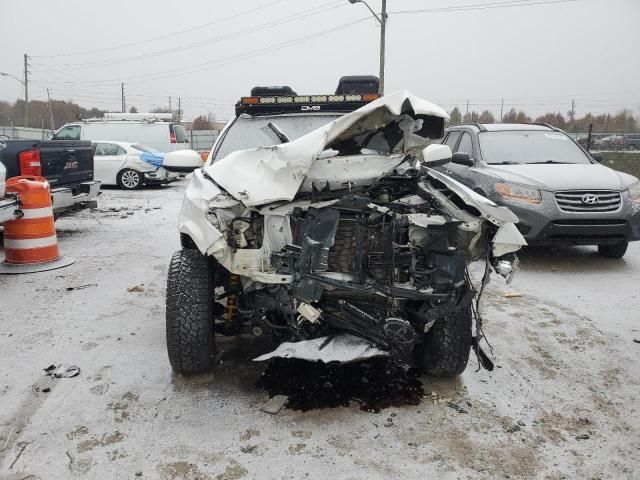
[483, 6]
[168, 35]
[225, 61]
[273, 23]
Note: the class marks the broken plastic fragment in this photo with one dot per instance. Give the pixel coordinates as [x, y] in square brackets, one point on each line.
[339, 348]
[275, 404]
[58, 371]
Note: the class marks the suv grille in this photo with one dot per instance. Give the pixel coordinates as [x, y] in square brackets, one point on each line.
[579, 201]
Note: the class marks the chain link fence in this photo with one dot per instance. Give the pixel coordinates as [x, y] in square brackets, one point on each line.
[23, 133]
[202, 140]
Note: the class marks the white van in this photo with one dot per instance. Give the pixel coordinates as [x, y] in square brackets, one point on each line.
[150, 129]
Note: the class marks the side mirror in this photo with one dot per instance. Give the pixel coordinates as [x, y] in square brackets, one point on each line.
[435, 155]
[182, 161]
[598, 157]
[462, 158]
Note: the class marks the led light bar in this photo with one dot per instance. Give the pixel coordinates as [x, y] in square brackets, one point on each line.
[308, 99]
[296, 103]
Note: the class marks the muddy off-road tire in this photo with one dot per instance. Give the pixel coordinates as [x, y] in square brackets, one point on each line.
[190, 299]
[617, 250]
[446, 346]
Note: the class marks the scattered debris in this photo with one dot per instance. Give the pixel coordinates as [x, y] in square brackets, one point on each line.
[46, 390]
[80, 287]
[138, 473]
[58, 371]
[512, 295]
[275, 404]
[136, 288]
[513, 428]
[583, 436]
[521, 423]
[457, 407]
[8, 439]
[388, 384]
[248, 448]
[71, 460]
[637, 340]
[24, 446]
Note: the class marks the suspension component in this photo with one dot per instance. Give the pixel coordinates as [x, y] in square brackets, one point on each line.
[234, 281]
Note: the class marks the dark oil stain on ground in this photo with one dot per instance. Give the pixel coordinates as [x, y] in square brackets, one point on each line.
[374, 384]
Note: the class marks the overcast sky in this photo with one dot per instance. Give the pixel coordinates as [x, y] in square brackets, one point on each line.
[536, 57]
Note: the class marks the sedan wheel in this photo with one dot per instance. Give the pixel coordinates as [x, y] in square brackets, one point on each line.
[129, 179]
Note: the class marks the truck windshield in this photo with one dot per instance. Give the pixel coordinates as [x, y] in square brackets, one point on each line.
[252, 132]
[180, 133]
[510, 147]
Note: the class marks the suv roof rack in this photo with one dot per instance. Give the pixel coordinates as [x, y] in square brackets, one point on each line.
[548, 125]
[280, 104]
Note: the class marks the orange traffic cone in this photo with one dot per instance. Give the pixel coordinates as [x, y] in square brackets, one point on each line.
[30, 242]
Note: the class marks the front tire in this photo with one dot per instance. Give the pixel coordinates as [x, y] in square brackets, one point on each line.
[129, 179]
[617, 250]
[446, 346]
[189, 314]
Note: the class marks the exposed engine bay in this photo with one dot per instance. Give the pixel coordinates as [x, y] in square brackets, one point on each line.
[371, 243]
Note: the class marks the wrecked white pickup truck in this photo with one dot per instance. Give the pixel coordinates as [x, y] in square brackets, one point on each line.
[341, 243]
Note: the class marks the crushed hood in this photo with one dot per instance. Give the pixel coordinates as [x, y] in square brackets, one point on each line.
[275, 173]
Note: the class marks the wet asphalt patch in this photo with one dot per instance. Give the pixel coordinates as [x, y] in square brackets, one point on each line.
[373, 385]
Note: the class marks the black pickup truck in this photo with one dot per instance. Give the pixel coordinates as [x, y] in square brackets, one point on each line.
[67, 165]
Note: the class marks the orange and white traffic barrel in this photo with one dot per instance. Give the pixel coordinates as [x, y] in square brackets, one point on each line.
[30, 242]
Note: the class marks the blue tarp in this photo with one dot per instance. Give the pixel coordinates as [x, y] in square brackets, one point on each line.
[156, 158]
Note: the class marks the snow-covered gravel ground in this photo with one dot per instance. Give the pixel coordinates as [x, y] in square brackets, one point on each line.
[562, 404]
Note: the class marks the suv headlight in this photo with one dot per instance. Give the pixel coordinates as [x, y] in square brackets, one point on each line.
[634, 193]
[512, 191]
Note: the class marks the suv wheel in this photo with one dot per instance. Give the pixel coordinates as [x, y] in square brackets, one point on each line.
[617, 250]
[190, 301]
[129, 179]
[446, 346]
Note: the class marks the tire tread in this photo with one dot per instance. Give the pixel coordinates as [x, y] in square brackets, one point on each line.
[189, 312]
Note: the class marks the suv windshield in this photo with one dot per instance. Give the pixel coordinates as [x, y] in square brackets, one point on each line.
[529, 147]
[252, 132]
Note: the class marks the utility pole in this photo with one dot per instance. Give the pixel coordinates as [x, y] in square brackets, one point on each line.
[573, 114]
[50, 111]
[382, 19]
[122, 95]
[383, 33]
[467, 112]
[179, 110]
[170, 109]
[501, 108]
[26, 90]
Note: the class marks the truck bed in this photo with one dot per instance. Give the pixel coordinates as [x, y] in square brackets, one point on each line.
[63, 162]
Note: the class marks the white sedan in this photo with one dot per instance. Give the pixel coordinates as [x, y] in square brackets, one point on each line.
[123, 164]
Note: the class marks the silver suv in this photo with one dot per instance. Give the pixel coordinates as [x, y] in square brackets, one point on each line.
[560, 192]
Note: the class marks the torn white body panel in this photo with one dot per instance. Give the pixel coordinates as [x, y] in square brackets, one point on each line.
[342, 348]
[346, 172]
[278, 171]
